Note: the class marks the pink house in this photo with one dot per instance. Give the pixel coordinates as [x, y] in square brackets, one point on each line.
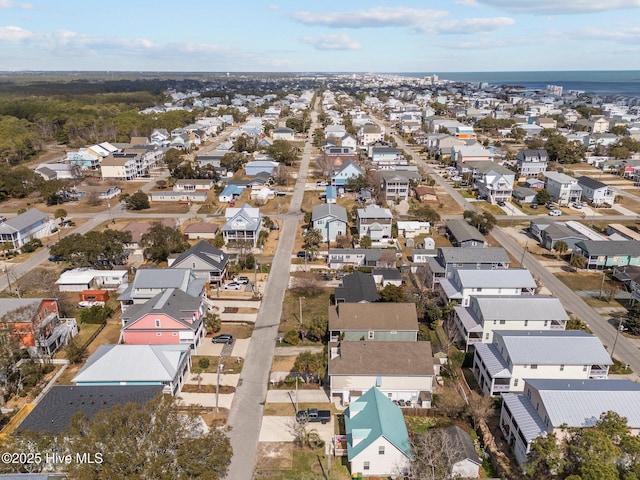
[171, 317]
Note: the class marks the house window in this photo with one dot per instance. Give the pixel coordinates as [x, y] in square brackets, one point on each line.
[157, 323]
[515, 382]
[174, 334]
[366, 465]
[546, 322]
[534, 367]
[584, 368]
[378, 381]
[479, 290]
[486, 336]
[526, 323]
[502, 322]
[370, 335]
[381, 450]
[158, 334]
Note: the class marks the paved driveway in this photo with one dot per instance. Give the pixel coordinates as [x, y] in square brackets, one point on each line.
[280, 429]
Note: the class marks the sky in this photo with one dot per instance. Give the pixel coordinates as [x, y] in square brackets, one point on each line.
[320, 36]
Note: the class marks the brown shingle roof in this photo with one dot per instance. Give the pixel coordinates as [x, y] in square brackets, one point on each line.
[202, 227]
[383, 358]
[373, 316]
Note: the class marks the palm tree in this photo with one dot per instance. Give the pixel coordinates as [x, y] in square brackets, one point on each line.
[578, 261]
[561, 247]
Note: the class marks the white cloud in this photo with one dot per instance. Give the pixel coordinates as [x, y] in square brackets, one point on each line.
[555, 7]
[372, 18]
[473, 25]
[467, 3]
[11, 4]
[14, 34]
[620, 35]
[340, 41]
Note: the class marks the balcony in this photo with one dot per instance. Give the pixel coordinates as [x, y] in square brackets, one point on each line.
[500, 388]
[598, 372]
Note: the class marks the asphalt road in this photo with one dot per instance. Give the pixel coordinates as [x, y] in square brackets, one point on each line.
[245, 418]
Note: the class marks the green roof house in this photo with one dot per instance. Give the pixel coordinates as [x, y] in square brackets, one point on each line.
[377, 438]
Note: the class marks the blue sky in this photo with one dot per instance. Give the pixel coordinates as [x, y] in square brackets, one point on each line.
[322, 36]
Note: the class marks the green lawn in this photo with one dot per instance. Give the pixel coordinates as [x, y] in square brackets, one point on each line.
[312, 307]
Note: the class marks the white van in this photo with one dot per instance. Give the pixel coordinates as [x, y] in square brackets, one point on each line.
[555, 213]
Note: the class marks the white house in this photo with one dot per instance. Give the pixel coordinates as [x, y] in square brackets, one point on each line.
[242, 224]
[562, 188]
[345, 172]
[547, 405]
[466, 283]
[530, 163]
[494, 181]
[25, 227]
[484, 315]
[80, 279]
[377, 439]
[283, 133]
[596, 192]
[400, 370]
[513, 356]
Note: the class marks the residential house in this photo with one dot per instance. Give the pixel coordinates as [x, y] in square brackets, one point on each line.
[79, 279]
[101, 192]
[25, 227]
[534, 183]
[375, 222]
[177, 196]
[466, 283]
[387, 276]
[36, 325]
[84, 158]
[57, 171]
[243, 224]
[330, 194]
[596, 192]
[547, 406]
[513, 356]
[330, 219]
[563, 189]
[201, 230]
[357, 287]
[560, 232]
[138, 229]
[396, 185]
[370, 133]
[194, 185]
[335, 131]
[149, 282]
[463, 234]
[617, 231]
[465, 460]
[283, 133]
[260, 166]
[449, 259]
[55, 410]
[166, 365]
[531, 163]
[340, 258]
[493, 181]
[205, 261]
[387, 158]
[230, 193]
[413, 228]
[524, 195]
[468, 153]
[424, 193]
[400, 370]
[396, 322]
[347, 171]
[376, 436]
[171, 317]
[607, 254]
[484, 315]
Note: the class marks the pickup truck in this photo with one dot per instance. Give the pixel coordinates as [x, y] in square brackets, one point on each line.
[313, 415]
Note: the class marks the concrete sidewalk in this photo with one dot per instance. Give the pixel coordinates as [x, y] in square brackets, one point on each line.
[280, 429]
[207, 399]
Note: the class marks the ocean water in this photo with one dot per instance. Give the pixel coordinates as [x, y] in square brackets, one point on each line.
[611, 82]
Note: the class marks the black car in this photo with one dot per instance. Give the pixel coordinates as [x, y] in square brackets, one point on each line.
[501, 204]
[534, 206]
[223, 338]
[301, 254]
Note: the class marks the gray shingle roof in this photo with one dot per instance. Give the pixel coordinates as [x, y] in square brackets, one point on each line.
[329, 209]
[518, 307]
[591, 183]
[172, 302]
[206, 252]
[22, 221]
[463, 231]
[501, 278]
[611, 247]
[475, 255]
[54, 412]
[357, 287]
[383, 358]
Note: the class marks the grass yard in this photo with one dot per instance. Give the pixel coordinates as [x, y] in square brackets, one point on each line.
[283, 363]
[285, 409]
[310, 199]
[238, 330]
[284, 461]
[312, 307]
[582, 280]
[164, 208]
[494, 210]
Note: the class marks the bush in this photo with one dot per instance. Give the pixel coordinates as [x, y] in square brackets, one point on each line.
[203, 363]
[291, 337]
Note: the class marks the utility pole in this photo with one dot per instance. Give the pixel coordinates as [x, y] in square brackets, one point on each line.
[218, 380]
[601, 285]
[524, 250]
[618, 330]
[297, 408]
[300, 301]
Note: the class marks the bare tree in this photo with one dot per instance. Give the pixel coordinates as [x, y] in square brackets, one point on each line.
[434, 453]
[450, 402]
[307, 283]
[480, 407]
[388, 259]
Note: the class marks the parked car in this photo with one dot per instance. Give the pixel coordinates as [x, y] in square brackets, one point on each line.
[555, 213]
[550, 206]
[576, 205]
[223, 338]
[322, 184]
[241, 280]
[313, 415]
[481, 197]
[301, 254]
[501, 203]
[534, 206]
[233, 286]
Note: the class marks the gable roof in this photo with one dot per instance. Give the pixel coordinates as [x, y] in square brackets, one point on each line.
[466, 450]
[474, 255]
[373, 416]
[611, 247]
[329, 209]
[374, 211]
[519, 307]
[205, 252]
[23, 221]
[172, 302]
[463, 231]
[133, 363]
[357, 287]
[54, 412]
[373, 316]
[406, 359]
[591, 183]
